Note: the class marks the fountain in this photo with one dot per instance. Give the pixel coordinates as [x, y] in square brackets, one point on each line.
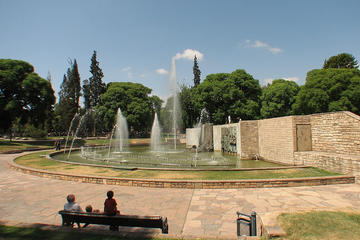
[77, 131]
[118, 154]
[176, 104]
[76, 115]
[156, 135]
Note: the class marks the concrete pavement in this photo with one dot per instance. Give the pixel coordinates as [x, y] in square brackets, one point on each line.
[208, 213]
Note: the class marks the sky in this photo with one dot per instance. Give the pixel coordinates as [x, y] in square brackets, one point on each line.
[136, 40]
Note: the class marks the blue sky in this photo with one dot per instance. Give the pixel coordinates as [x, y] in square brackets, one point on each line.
[136, 39]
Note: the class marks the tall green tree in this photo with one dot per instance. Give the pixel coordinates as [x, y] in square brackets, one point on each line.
[94, 87]
[25, 97]
[135, 103]
[277, 98]
[236, 95]
[342, 60]
[328, 90]
[189, 113]
[197, 72]
[92, 90]
[69, 96]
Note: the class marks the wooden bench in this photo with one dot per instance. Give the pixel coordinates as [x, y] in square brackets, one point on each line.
[69, 218]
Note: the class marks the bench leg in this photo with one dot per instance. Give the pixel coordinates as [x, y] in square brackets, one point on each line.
[114, 228]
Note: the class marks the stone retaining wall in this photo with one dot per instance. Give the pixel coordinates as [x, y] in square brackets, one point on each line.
[191, 184]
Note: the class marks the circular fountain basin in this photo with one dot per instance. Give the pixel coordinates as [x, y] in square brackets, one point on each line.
[141, 157]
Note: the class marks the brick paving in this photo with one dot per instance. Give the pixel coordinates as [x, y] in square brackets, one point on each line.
[208, 213]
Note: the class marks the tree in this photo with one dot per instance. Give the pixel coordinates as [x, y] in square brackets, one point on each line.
[342, 60]
[197, 72]
[25, 97]
[189, 113]
[69, 96]
[94, 87]
[328, 90]
[236, 95]
[277, 98]
[136, 105]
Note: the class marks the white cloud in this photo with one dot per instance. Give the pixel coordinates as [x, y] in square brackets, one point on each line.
[142, 75]
[270, 80]
[294, 79]
[260, 44]
[189, 55]
[126, 69]
[162, 71]
[275, 50]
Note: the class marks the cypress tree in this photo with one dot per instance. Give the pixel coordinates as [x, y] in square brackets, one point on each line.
[196, 72]
[69, 95]
[94, 87]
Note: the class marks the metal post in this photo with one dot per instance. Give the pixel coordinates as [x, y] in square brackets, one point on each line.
[253, 224]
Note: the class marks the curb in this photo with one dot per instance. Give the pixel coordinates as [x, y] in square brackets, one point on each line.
[188, 184]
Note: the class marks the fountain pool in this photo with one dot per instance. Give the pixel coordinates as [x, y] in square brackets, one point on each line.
[143, 158]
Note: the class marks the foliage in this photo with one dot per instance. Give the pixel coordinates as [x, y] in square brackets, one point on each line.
[277, 98]
[197, 72]
[94, 87]
[136, 105]
[24, 95]
[33, 132]
[328, 90]
[69, 96]
[321, 225]
[236, 95]
[342, 60]
[189, 113]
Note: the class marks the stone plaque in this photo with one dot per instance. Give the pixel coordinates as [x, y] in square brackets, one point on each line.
[303, 137]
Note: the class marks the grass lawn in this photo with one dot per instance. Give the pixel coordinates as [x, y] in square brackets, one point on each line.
[321, 225]
[7, 145]
[38, 160]
[18, 233]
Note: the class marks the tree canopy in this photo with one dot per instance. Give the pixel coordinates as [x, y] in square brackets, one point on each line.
[342, 60]
[328, 90]
[24, 95]
[236, 95]
[69, 97]
[277, 98]
[136, 105]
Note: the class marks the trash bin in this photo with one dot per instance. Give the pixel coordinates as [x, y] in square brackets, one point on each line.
[246, 224]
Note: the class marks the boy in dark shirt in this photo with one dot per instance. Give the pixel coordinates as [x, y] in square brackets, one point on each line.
[110, 207]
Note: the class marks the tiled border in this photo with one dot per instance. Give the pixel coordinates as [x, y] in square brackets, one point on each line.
[190, 184]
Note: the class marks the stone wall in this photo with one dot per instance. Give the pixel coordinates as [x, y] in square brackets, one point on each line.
[335, 143]
[337, 132]
[276, 139]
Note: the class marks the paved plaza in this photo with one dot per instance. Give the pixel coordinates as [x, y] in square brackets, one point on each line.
[209, 213]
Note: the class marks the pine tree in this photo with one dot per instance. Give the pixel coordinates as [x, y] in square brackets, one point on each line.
[196, 72]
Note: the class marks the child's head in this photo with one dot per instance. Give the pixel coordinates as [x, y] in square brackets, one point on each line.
[70, 198]
[88, 208]
[110, 194]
